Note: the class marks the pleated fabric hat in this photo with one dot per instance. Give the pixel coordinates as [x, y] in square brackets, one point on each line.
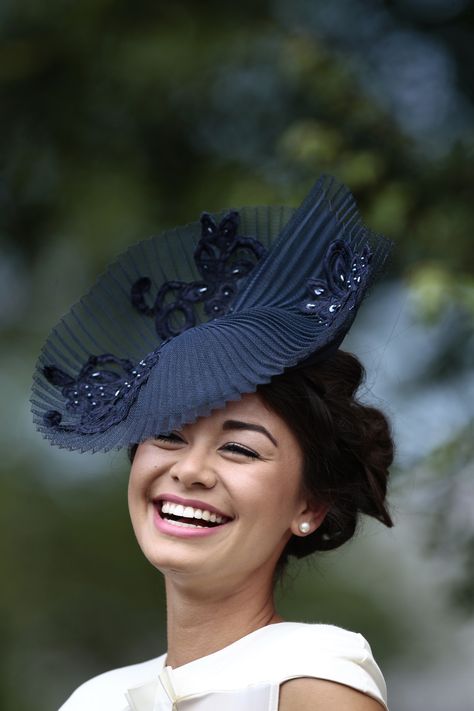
[189, 320]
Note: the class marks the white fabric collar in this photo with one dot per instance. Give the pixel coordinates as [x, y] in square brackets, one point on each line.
[267, 656]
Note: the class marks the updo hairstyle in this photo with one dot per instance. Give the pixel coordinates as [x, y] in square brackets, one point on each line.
[347, 447]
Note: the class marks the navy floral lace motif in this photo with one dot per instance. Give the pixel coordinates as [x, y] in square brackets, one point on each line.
[101, 394]
[222, 258]
[346, 273]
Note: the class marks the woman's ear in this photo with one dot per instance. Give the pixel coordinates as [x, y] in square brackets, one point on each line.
[309, 519]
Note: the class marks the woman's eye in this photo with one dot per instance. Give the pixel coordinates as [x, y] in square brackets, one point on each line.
[238, 449]
[168, 437]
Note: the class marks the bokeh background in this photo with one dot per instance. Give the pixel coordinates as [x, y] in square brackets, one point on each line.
[119, 119]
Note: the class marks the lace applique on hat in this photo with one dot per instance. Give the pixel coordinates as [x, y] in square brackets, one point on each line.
[346, 273]
[101, 394]
[222, 257]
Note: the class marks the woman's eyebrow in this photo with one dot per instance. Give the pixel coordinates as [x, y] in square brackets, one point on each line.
[239, 425]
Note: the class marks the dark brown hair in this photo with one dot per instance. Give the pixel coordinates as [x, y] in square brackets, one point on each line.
[347, 446]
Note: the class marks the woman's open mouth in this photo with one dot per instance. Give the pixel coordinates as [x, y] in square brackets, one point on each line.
[188, 517]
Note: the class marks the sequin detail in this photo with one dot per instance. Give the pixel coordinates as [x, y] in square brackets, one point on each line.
[346, 273]
[102, 393]
[222, 257]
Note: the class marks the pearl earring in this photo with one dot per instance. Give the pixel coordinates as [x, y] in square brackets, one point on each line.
[304, 527]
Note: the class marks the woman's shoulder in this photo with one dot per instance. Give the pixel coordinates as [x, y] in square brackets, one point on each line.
[318, 695]
[105, 692]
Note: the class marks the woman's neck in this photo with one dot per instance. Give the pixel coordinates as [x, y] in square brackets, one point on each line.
[200, 624]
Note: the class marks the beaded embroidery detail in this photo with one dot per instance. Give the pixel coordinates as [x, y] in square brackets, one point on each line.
[101, 394]
[222, 258]
[346, 273]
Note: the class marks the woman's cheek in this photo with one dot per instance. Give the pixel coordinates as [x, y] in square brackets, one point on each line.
[136, 493]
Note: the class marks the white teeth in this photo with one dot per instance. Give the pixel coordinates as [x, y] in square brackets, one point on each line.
[169, 507]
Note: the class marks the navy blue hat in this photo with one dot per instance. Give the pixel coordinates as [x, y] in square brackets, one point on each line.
[186, 321]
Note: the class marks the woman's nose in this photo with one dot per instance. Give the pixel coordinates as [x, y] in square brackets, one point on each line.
[193, 469]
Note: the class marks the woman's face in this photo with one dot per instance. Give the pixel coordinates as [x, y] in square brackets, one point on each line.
[221, 496]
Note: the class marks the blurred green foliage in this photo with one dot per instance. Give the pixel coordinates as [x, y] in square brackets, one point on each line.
[119, 119]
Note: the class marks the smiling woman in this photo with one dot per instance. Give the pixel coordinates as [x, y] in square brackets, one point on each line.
[253, 486]
[247, 442]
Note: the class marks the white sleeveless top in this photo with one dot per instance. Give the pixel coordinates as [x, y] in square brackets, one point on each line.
[245, 675]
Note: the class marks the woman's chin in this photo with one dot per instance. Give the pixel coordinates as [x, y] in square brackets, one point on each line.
[175, 556]
[185, 568]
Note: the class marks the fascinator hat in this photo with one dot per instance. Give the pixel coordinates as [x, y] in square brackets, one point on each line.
[186, 321]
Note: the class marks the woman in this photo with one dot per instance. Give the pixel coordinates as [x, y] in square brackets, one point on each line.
[246, 440]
